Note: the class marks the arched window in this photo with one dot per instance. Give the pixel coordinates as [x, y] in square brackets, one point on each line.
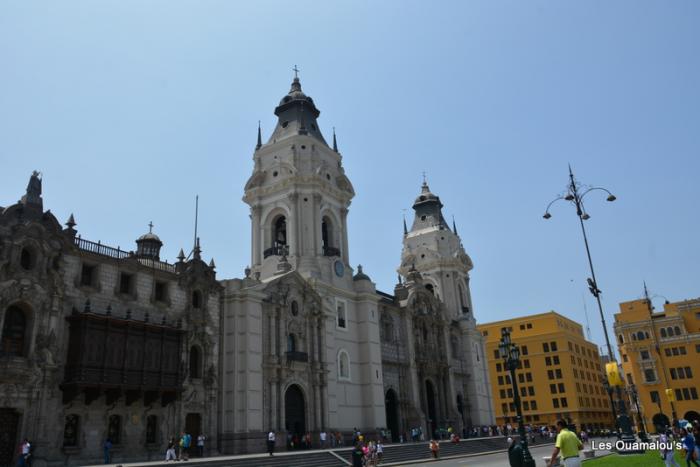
[430, 288]
[343, 365]
[326, 232]
[291, 343]
[328, 243]
[196, 299]
[640, 336]
[677, 330]
[13, 333]
[663, 332]
[114, 429]
[279, 231]
[195, 362]
[622, 340]
[26, 259]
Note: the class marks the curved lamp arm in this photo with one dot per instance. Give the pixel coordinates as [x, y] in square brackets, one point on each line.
[610, 198]
[547, 215]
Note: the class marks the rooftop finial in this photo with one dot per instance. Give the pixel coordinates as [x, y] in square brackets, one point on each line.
[454, 225]
[150, 227]
[71, 222]
[296, 72]
[405, 229]
[335, 143]
[257, 146]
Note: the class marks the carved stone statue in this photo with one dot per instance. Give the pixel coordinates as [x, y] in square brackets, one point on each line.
[33, 195]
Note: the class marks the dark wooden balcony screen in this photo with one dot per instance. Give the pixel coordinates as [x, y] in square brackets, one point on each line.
[109, 352]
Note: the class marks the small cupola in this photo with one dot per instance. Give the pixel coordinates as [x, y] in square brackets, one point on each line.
[148, 245]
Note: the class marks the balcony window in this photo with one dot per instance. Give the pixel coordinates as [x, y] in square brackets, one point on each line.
[649, 375]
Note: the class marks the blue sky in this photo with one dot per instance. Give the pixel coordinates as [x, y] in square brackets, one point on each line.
[132, 108]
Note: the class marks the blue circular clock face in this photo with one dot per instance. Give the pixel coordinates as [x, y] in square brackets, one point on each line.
[339, 268]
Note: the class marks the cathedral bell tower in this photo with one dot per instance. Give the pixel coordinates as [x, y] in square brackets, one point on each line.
[434, 250]
[299, 197]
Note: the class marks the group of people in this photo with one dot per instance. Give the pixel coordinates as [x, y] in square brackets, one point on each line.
[688, 436]
[366, 454]
[178, 449]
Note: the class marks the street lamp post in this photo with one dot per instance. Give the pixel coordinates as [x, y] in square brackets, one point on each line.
[632, 390]
[575, 196]
[510, 353]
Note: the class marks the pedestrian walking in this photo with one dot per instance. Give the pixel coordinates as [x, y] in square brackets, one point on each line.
[356, 455]
[200, 444]
[271, 442]
[515, 453]
[107, 450]
[185, 443]
[323, 437]
[689, 446]
[434, 448]
[569, 445]
[170, 450]
[25, 452]
[667, 452]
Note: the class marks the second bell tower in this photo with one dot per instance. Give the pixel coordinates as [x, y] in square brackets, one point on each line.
[299, 197]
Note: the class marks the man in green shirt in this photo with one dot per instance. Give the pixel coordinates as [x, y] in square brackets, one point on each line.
[568, 444]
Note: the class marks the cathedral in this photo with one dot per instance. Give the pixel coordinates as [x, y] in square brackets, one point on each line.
[100, 342]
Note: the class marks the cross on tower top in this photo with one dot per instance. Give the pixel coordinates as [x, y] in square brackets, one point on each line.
[296, 72]
[425, 180]
[150, 227]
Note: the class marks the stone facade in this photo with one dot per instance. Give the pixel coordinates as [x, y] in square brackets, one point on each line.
[302, 343]
[49, 275]
[319, 345]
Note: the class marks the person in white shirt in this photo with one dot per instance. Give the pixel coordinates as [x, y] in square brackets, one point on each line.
[200, 445]
[323, 439]
[271, 442]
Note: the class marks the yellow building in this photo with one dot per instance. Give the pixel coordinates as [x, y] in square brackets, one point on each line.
[661, 351]
[560, 374]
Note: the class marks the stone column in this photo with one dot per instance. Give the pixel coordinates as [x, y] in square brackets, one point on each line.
[344, 234]
[293, 235]
[257, 235]
[316, 219]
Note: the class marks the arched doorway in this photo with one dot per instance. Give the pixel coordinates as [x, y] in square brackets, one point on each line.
[9, 425]
[432, 413]
[691, 416]
[460, 408]
[391, 404]
[660, 422]
[294, 411]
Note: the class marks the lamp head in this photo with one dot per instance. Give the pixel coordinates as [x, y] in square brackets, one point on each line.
[611, 198]
[569, 197]
[547, 215]
[585, 216]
